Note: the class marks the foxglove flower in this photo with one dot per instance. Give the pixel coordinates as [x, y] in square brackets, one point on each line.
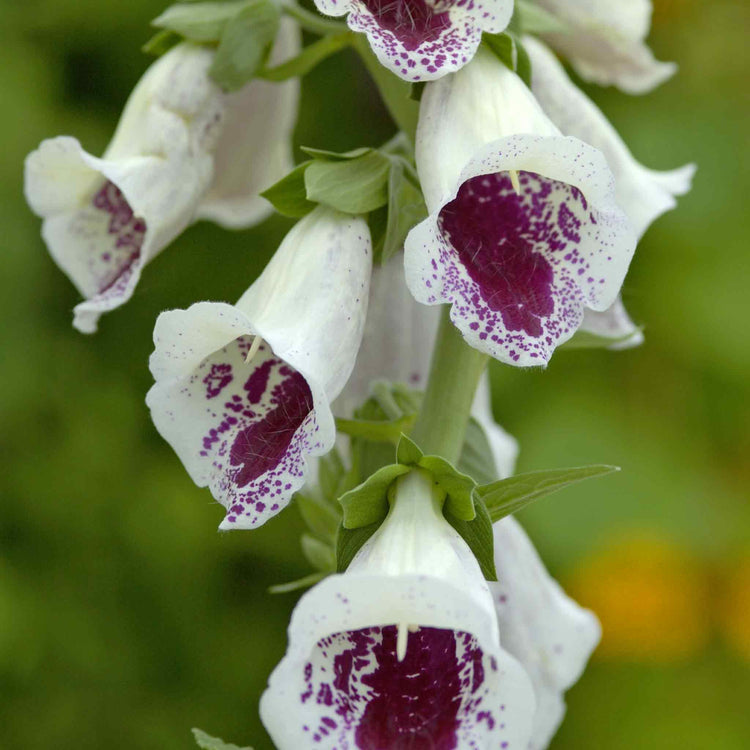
[243, 392]
[182, 150]
[605, 42]
[523, 232]
[643, 193]
[420, 40]
[402, 650]
[549, 634]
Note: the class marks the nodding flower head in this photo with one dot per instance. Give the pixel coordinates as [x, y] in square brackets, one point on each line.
[243, 392]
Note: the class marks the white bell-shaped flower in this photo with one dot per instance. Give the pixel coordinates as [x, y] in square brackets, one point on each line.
[182, 150]
[243, 391]
[402, 650]
[549, 634]
[420, 40]
[644, 194]
[524, 232]
[605, 42]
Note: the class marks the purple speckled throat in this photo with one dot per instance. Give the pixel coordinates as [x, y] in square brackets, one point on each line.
[522, 251]
[365, 698]
[113, 265]
[412, 21]
[252, 416]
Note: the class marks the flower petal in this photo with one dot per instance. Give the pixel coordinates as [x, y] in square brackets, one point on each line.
[420, 40]
[519, 268]
[255, 149]
[643, 193]
[604, 42]
[613, 323]
[540, 625]
[243, 393]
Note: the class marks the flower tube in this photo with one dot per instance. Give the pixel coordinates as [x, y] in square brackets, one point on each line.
[420, 40]
[524, 232]
[402, 650]
[605, 42]
[243, 391]
[181, 151]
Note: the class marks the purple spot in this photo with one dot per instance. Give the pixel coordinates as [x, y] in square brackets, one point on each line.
[219, 377]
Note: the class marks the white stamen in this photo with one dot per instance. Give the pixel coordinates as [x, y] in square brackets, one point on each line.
[513, 174]
[402, 638]
[254, 347]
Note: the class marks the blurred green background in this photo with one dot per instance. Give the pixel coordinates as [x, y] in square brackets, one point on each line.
[125, 618]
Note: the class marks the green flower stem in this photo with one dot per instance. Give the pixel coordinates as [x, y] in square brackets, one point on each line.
[455, 369]
[393, 91]
[312, 22]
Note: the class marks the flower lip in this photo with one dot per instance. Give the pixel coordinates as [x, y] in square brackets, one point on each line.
[419, 40]
[520, 269]
[341, 683]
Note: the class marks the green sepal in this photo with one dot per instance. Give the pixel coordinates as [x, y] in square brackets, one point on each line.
[350, 541]
[161, 42]
[368, 503]
[458, 487]
[509, 495]
[319, 554]
[510, 51]
[245, 44]
[477, 534]
[407, 452]
[207, 742]
[476, 457]
[355, 186]
[307, 59]
[288, 196]
[199, 22]
[300, 583]
[586, 340]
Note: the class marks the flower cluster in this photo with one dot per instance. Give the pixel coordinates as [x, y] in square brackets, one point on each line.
[527, 214]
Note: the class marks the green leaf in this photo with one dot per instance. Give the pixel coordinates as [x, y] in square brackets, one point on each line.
[476, 458]
[478, 535]
[350, 541]
[199, 22]
[245, 43]
[377, 431]
[320, 517]
[509, 495]
[458, 487]
[320, 153]
[356, 186]
[536, 20]
[207, 742]
[310, 56]
[319, 554]
[300, 583]
[586, 340]
[406, 208]
[368, 503]
[288, 196]
[407, 452]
